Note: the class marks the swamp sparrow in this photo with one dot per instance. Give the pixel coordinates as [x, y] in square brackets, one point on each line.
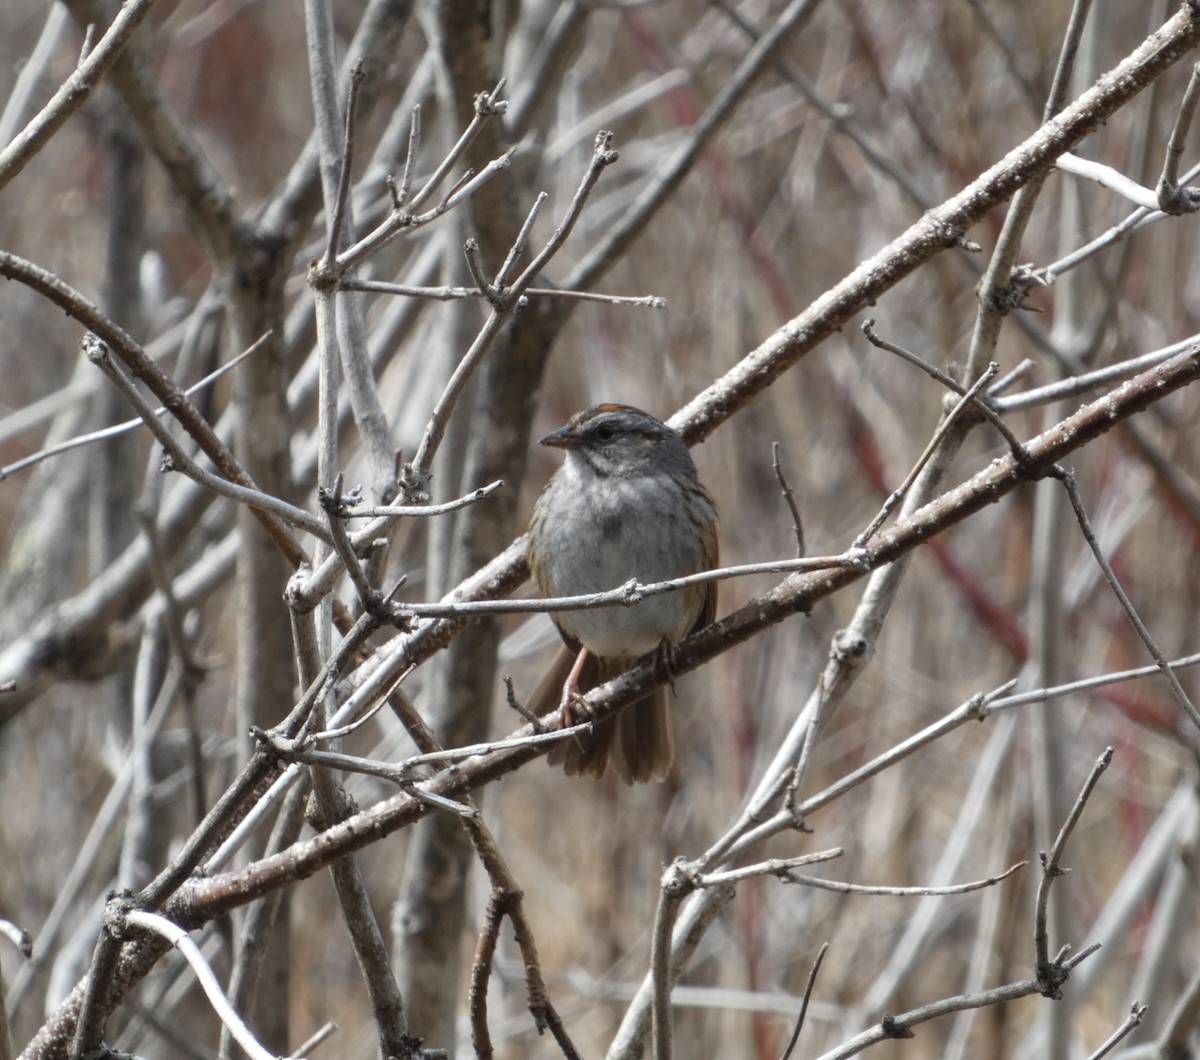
[627, 503]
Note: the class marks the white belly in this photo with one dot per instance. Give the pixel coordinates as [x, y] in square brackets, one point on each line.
[607, 548]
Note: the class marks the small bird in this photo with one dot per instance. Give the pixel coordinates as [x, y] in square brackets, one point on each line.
[627, 503]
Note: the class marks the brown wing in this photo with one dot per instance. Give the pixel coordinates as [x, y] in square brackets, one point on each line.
[708, 609]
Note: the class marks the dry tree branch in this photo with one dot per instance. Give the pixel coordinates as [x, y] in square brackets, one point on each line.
[128, 425]
[949, 421]
[179, 938]
[26, 84]
[668, 176]
[404, 216]
[789, 498]
[997, 292]
[783, 868]
[1172, 197]
[504, 303]
[447, 294]
[796, 593]
[159, 384]
[332, 806]
[202, 191]
[941, 229]
[1107, 177]
[177, 459]
[867, 283]
[1180, 1026]
[811, 982]
[507, 899]
[201, 899]
[74, 91]
[1050, 973]
[1080, 384]
[982, 406]
[309, 588]
[900, 1026]
[1089, 535]
[405, 641]
[1137, 1013]
[1137, 219]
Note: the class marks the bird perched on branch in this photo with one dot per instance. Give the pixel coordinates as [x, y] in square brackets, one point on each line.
[627, 503]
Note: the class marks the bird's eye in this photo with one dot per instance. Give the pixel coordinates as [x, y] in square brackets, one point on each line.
[606, 432]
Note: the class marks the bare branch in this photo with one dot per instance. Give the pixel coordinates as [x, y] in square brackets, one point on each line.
[74, 91]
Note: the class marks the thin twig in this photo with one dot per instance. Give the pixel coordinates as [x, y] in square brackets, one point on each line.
[1085, 525]
[789, 497]
[603, 156]
[539, 736]
[1084, 684]
[1051, 974]
[521, 242]
[1079, 384]
[503, 304]
[900, 1026]
[372, 600]
[342, 197]
[997, 292]
[781, 867]
[410, 511]
[401, 192]
[949, 382]
[128, 425]
[310, 1043]
[404, 216]
[1137, 1013]
[633, 592]
[1107, 177]
[838, 887]
[94, 62]
[97, 352]
[487, 105]
[180, 939]
[447, 294]
[1172, 197]
[310, 589]
[510, 697]
[808, 989]
[943, 429]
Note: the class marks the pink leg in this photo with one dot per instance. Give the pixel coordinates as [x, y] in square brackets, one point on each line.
[571, 689]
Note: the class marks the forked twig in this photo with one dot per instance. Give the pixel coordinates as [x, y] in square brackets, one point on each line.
[1052, 974]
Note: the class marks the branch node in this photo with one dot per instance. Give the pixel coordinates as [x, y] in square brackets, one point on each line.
[1177, 199]
[333, 501]
[679, 879]
[952, 235]
[602, 151]
[892, 1029]
[1013, 294]
[849, 645]
[414, 484]
[489, 104]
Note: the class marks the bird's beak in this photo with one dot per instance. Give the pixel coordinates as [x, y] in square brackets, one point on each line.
[563, 438]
